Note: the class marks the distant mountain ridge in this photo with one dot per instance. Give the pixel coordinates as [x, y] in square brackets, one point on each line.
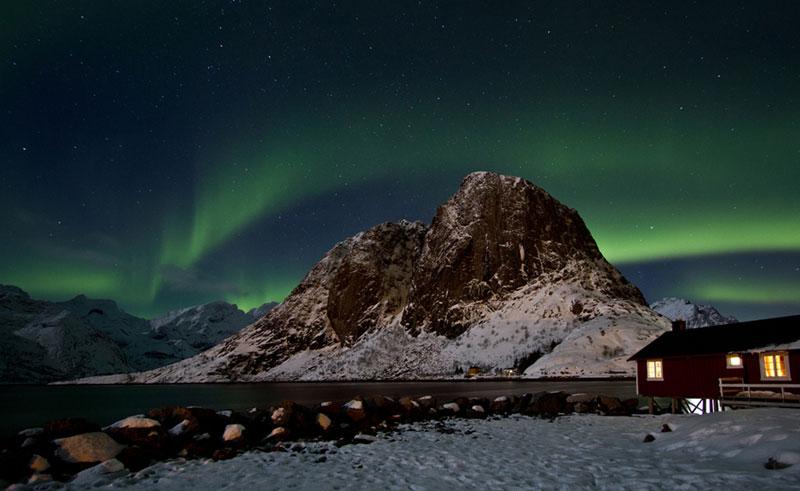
[695, 315]
[504, 276]
[43, 341]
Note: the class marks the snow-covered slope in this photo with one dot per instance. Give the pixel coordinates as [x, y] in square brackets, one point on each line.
[260, 311]
[504, 276]
[695, 315]
[42, 341]
[198, 328]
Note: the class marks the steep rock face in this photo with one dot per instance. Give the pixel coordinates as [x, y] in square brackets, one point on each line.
[505, 276]
[357, 285]
[496, 234]
[373, 280]
[695, 315]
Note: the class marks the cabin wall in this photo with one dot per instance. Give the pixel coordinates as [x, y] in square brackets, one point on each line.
[698, 376]
[752, 362]
[682, 377]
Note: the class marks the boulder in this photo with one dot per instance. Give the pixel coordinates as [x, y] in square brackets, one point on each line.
[581, 397]
[548, 404]
[410, 408]
[154, 438]
[136, 422]
[278, 434]
[39, 463]
[324, 422]
[185, 426]
[87, 448]
[426, 403]
[281, 415]
[476, 411]
[450, 409]
[233, 433]
[330, 408]
[385, 406]
[134, 458]
[649, 438]
[611, 406]
[202, 419]
[665, 428]
[355, 410]
[523, 403]
[61, 428]
[501, 405]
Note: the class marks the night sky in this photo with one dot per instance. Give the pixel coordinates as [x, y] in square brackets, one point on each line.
[165, 154]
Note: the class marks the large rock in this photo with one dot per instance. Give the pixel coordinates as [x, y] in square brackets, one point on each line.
[548, 404]
[233, 433]
[136, 422]
[87, 448]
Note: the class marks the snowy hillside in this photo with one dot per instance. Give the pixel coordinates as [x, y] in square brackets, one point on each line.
[43, 341]
[505, 276]
[695, 315]
[198, 328]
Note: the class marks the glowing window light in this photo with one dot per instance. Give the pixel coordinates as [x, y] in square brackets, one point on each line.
[654, 370]
[734, 361]
[774, 365]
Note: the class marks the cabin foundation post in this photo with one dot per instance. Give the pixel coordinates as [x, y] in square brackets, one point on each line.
[651, 405]
[674, 405]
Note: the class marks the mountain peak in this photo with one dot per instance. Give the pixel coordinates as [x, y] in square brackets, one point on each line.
[494, 235]
[695, 315]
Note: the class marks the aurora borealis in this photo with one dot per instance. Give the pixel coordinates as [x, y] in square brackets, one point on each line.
[168, 154]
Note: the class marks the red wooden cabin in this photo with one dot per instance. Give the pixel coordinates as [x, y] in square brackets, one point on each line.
[756, 360]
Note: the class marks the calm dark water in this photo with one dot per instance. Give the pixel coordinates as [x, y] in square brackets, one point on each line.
[23, 406]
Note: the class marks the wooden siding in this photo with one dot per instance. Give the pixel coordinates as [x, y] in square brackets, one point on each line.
[698, 376]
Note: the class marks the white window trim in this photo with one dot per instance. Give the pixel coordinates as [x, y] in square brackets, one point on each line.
[647, 371]
[785, 355]
[728, 361]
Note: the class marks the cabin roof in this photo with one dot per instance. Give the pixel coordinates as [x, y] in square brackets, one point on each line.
[776, 333]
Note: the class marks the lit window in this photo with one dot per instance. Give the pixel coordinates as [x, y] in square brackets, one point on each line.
[775, 365]
[734, 361]
[654, 370]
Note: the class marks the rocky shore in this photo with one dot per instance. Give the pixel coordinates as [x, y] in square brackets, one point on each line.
[62, 449]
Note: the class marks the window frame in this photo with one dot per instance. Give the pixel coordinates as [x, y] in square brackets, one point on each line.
[660, 365]
[731, 366]
[762, 364]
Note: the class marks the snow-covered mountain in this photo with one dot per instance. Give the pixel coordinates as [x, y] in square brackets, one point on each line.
[504, 276]
[43, 341]
[260, 311]
[198, 328]
[695, 315]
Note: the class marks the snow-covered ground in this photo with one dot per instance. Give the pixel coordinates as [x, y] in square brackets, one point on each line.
[723, 450]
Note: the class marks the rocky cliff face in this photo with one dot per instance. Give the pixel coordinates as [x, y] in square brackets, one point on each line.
[504, 276]
[496, 234]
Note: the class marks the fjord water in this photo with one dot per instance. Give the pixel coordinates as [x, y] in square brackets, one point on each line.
[24, 406]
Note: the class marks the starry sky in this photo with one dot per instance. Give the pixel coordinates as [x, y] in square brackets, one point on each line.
[165, 154]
